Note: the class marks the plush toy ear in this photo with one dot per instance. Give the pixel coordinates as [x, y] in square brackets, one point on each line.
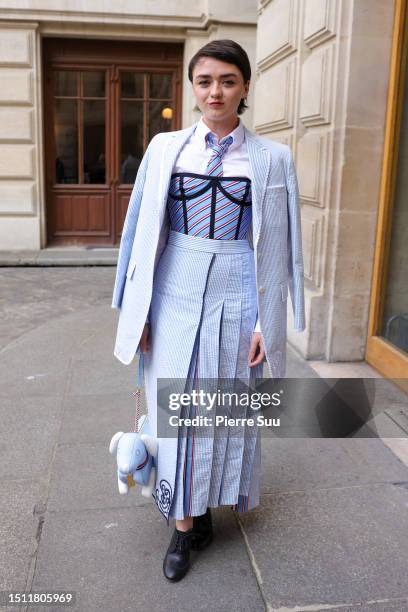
[150, 444]
[114, 442]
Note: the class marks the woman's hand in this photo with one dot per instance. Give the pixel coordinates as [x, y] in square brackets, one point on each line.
[257, 351]
[145, 340]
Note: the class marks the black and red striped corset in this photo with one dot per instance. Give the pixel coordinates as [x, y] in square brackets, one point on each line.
[217, 207]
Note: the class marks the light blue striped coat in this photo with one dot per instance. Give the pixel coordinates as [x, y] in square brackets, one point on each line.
[274, 234]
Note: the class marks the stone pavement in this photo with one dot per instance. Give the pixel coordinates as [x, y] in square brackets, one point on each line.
[331, 532]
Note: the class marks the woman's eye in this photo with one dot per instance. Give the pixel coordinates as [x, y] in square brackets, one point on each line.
[206, 83]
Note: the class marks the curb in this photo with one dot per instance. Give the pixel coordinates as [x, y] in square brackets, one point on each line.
[60, 257]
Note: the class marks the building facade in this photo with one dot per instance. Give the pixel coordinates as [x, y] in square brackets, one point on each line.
[324, 76]
[85, 85]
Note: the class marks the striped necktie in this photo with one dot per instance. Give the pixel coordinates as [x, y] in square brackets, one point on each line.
[214, 167]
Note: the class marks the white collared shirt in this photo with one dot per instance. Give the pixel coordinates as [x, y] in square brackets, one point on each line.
[196, 153]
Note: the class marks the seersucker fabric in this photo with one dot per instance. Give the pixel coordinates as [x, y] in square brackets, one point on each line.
[202, 316]
[275, 238]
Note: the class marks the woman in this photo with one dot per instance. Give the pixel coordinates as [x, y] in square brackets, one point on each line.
[211, 236]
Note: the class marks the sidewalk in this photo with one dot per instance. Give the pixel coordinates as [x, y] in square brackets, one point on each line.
[64, 256]
[331, 532]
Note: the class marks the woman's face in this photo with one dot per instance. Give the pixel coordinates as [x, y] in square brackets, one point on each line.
[218, 88]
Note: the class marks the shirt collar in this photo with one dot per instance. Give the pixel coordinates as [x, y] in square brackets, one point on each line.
[202, 129]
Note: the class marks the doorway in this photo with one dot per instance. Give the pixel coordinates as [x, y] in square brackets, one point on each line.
[104, 102]
[387, 345]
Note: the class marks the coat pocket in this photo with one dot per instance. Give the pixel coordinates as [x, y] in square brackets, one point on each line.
[284, 291]
[275, 206]
[131, 269]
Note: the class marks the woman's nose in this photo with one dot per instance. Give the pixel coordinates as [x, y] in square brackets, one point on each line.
[215, 89]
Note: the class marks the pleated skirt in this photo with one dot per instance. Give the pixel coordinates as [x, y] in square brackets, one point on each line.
[202, 316]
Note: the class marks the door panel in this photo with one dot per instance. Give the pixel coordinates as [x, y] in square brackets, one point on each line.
[132, 115]
[66, 141]
[94, 158]
[147, 102]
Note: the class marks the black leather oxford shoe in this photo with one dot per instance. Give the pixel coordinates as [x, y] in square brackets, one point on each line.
[176, 563]
[203, 531]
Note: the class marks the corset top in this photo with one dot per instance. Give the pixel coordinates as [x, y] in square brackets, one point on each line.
[217, 207]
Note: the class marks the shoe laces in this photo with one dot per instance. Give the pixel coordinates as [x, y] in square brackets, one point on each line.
[182, 540]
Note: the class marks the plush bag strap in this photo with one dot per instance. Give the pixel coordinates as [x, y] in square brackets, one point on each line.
[137, 394]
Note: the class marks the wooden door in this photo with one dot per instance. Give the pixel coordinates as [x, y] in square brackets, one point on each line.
[104, 101]
[387, 345]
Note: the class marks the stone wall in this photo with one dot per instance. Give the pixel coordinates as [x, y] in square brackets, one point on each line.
[20, 137]
[323, 69]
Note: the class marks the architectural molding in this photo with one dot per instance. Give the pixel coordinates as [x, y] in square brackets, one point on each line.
[319, 21]
[18, 199]
[313, 153]
[317, 79]
[17, 161]
[278, 114]
[277, 33]
[16, 125]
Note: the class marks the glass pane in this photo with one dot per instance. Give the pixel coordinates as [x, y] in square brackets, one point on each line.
[131, 140]
[132, 85]
[160, 86]
[93, 84]
[66, 141]
[395, 322]
[65, 83]
[160, 118]
[94, 141]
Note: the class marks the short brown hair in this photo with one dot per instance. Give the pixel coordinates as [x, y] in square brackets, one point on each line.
[227, 51]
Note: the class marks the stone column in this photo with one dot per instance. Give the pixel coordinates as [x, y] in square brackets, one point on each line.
[20, 136]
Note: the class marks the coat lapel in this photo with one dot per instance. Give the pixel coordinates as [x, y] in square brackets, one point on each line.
[259, 161]
[170, 152]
